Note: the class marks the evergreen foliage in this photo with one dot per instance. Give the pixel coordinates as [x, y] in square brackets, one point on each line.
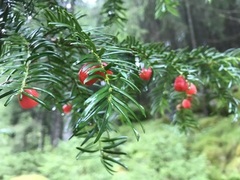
[45, 48]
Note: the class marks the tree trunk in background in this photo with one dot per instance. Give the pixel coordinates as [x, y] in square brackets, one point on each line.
[51, 124]
[41, 118]
[199, 24]
[190, 24]
[67, 130]
[170, 29]
[232, 26]
[56, 127]
[72, 2]
[150, 23]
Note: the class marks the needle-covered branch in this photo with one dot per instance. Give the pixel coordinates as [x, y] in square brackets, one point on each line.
[99, 77]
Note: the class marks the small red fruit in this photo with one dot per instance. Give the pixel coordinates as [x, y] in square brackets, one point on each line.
[67, 108]
[191, 89]
[26, 102]
[186, 104]
[84, 73]
[146, 74]
[109, 72]
[180, 84]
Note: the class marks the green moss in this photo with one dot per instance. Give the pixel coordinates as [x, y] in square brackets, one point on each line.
[218, 141]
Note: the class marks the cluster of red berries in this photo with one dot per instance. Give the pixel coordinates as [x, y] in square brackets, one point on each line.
[182, 85]
[27, 103]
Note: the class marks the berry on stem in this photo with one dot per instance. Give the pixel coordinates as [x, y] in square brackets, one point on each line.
[84, 73]
[67, 108]
[180, 84]
[191, 89]
[146, 74]
[109, 72]
[186, 104]
[27, 102]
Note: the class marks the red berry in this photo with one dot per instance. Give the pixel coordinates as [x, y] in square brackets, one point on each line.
[109, 72]
[146, 74]
[191, 89]
[67, 108]
[186, 104]
[180, 84]
[26, 102]
[84, 73]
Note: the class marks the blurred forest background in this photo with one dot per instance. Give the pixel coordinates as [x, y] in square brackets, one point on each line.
[35, 141]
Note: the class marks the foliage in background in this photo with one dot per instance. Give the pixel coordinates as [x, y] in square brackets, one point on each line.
[215, 24]
[212, 154]
[166, 6]
[115, 12]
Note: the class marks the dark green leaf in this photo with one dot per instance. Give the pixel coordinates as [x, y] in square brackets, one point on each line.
[87, 150]
[8, 93]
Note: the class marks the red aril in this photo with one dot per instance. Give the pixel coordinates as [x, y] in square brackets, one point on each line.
[67, 108]
[146, 74]
[180, 84]
[109, 72]
[186, 104]
[27, 102]
[84, 73]
[191, 89]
